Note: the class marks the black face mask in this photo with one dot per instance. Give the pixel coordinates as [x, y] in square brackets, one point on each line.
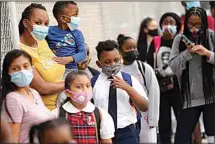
[130, 56]
[153, 32]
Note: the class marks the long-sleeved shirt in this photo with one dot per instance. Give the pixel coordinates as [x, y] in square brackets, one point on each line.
[67, 43]
[151, 87]
[178, 62]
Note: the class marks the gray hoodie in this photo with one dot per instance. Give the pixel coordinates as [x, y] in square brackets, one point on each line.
[178, 64]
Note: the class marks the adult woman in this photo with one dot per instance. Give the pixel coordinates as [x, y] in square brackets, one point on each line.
[148, 29]
[193, 62]
[22, 105]
[169, 87]
[33, 28]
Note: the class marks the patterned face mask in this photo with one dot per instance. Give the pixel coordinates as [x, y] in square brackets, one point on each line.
[111, 70]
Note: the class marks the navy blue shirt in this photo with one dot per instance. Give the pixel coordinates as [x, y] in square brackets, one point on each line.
[67, 43]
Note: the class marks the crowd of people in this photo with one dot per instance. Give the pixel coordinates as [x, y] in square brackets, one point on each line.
[50, 94]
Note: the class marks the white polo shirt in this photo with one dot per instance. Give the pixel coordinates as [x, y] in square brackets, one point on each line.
[126, 115]
[106, 127]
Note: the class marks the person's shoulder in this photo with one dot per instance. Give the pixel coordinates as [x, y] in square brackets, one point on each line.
[51, 28]
[14, 97]
[103, 114]
[147, 66]
[43, 44]
[210, 31]
[93, 71]
[35, 92]
[77, 32]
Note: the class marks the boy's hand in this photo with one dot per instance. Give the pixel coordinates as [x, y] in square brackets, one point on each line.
[63, 60]
[117, 82]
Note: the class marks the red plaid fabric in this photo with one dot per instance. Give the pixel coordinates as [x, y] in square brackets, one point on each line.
[83, 127]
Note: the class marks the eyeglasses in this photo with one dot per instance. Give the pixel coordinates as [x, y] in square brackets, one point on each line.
[190, 25]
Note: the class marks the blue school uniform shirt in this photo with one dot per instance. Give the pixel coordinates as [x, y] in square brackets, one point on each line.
[67, 43]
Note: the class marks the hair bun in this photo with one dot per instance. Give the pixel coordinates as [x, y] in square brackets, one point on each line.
[120, 37]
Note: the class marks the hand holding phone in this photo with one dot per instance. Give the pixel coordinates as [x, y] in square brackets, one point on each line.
[187, 42]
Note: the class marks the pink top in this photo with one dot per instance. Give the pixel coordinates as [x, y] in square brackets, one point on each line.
[26, 112]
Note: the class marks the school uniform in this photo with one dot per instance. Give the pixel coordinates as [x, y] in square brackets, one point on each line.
[125, 115]
[149, 81]
[84, 124]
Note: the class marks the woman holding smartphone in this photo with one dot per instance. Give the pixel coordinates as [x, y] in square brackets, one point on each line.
[194, 66]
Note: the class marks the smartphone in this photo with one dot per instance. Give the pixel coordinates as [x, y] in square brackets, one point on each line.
[187, 41]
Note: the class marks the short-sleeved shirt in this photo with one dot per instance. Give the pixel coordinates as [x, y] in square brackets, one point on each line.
[25, 112]
[106, 127]
[49, 70]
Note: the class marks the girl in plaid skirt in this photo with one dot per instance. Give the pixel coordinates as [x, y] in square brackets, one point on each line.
[89, 123]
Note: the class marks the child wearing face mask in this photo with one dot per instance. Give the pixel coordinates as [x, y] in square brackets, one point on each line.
[168, 82]
[65, 39]
[119, 93]
[89, 123]
[146, 75]
[22, 106]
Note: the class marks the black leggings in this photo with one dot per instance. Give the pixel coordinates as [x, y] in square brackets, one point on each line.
[167, 100]
[188, 118]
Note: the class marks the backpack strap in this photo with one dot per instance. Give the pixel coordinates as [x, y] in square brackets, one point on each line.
[94, 79]
[62, 113]
[142, 69]
[157, 44]
[98, 121]
[127, 77]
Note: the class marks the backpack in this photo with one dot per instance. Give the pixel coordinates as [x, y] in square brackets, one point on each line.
[126, 77]
[96, 114]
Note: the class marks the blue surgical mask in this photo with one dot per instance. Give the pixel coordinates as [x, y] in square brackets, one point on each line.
[191, 4]
[39, 32]
[171, 28]
[75, 22]
[22, 78]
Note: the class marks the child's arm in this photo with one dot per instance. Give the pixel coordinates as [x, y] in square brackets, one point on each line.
[106, 127]
[136, 93]
[78, 57]
[81, 55]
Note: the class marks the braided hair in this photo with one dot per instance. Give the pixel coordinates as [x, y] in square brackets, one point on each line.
[207, 68]
[27, 13]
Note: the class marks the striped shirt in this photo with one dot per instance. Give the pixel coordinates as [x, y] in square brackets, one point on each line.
[25, 112]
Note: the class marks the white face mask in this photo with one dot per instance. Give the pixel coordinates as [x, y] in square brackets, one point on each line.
[74, 23]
